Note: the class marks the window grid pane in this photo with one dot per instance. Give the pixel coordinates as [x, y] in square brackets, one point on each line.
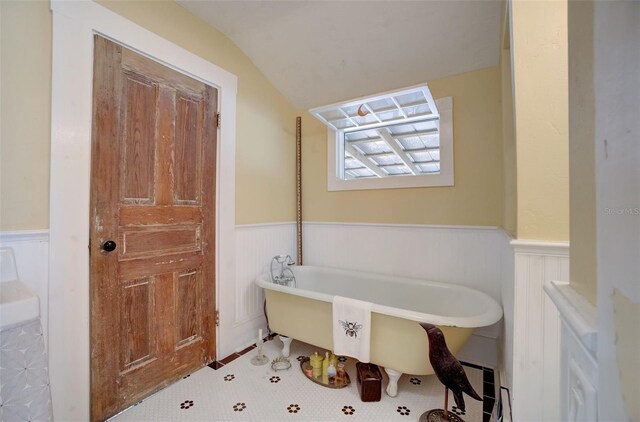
[394, 150]
[389, 108]
[386, 135]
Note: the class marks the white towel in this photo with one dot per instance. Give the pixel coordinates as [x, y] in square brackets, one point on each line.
[351, 328]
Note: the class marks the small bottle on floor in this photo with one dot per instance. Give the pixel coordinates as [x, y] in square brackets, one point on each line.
[325, 364]
[331, 373]
[316, 364]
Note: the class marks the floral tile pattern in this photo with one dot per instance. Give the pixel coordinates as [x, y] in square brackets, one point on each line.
[293, 408]
[186, 404]
[244, 392]
[457, 411]
[348, 410]
[403, 410]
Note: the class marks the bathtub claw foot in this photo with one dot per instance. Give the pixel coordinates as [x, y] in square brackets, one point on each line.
[286, 346]
[392, 387]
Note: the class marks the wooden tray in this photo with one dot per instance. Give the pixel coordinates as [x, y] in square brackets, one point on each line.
[318, 380]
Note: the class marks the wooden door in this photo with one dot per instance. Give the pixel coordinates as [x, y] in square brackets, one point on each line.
[152, 193]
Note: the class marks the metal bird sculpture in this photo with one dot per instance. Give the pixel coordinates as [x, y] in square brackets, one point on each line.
[447, 368]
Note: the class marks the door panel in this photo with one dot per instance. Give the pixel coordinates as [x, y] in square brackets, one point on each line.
[152, 192]
[138, 154]
[148, 242]
[137, 323]
[187, 318]
[188, 136]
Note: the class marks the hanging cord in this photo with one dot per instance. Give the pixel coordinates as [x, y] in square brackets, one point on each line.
[299, 186]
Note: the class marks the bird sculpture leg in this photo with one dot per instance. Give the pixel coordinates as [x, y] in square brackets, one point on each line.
[446, 404]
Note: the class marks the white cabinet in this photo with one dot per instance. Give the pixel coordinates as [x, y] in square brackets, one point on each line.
[578, 364]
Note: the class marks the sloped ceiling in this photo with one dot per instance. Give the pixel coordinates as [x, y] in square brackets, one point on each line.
[321, 52]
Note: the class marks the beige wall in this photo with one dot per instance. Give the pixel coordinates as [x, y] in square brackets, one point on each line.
[265, 121]
[476, 198]
[582, 149]
[25, 54]
[265, 192]
[539, 51]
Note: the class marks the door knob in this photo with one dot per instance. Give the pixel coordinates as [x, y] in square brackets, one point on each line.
[109, 246]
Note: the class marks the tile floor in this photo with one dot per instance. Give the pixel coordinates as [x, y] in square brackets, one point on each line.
[239, 391]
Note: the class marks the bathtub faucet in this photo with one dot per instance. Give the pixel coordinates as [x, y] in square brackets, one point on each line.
[283, 275]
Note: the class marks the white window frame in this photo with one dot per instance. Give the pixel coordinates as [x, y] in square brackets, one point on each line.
[443, 178]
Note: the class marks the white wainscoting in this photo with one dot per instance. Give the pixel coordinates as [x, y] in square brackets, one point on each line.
[31, 248]
[469, 256]
[242, 315]
[536, 330]
[465, 255]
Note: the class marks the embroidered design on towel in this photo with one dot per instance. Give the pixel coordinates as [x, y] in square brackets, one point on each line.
[351, 329]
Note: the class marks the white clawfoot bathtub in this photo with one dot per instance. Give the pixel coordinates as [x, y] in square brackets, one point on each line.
[398, 343]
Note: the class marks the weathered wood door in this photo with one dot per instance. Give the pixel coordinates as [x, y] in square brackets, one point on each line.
[152, 227]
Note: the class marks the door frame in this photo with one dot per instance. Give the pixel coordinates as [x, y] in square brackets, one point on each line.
[74, 24]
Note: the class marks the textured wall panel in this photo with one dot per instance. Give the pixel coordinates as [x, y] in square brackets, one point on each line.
[536, 330]
[256, 244]
[469, 256]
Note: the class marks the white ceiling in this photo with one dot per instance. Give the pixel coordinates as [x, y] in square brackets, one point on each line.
[321, 52]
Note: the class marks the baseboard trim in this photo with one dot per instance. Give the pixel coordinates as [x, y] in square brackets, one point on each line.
[400, 226]
[540, 247]
[257, 225]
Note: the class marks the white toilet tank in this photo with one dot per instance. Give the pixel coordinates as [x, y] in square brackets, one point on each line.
[18, 303]
[8, 270]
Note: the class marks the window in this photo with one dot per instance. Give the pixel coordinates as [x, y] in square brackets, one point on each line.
[392, 140]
